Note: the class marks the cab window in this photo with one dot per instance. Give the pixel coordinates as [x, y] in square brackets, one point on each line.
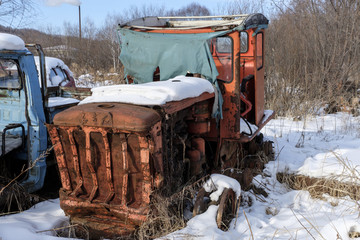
[224, 44]
[244, 41]
[9, 74]
[222, 52]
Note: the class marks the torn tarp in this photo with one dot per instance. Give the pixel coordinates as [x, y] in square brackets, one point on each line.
[174, 54]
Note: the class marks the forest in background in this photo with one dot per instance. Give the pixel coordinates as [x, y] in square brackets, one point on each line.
[312, 48]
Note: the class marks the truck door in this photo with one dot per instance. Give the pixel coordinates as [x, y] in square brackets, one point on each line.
[13, 104]
[259, 77]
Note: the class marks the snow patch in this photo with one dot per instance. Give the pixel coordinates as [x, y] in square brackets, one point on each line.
[30, 224]
[250, 129]
[88, 81]
[218, 183]
[11, 42]
[56, 80]
[152, 93]
[320, 147]
[61, 101]
[246, 127]
[267, 114]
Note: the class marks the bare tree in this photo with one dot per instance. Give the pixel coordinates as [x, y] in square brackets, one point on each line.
[233, 7]
[192, 9]
[144, 11]
[313, 48]
[109, 35]
[15, 12]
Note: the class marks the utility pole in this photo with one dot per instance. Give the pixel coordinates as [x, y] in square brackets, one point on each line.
[79, 23]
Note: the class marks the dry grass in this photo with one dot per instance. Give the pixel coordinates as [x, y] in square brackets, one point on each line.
[13, 197]
[163, 219]
[300, 76]
[167, 213]
[71, 231]
[341, 185]
[319, 186]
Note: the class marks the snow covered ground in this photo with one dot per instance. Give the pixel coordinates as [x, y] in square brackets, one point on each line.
[324, 146]
[88, 81]
[33, 223]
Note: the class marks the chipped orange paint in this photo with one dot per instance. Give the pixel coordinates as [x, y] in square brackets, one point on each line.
[59, 153]
[76, 161]
[90, 165]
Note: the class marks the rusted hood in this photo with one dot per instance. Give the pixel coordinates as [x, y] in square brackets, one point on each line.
[114, 115]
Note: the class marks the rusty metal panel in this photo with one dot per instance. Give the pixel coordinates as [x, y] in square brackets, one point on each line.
[107, 173]
[126, 117]
[59, 152]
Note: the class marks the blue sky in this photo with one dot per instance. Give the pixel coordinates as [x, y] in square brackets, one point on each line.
[97, 10]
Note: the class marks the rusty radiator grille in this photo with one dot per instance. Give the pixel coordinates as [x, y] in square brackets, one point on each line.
[100, 165]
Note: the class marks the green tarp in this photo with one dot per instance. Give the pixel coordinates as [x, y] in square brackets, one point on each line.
[174, 54]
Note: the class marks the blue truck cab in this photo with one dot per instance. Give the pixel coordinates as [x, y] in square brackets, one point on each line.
[24, 110]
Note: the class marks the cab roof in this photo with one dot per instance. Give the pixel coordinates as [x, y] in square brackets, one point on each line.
[223, 22]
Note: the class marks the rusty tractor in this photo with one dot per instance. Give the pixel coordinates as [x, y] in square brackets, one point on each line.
[114, 153]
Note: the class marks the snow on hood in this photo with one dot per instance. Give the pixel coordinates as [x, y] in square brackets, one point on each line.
[51, 62]
[152, 93]
[11, 42]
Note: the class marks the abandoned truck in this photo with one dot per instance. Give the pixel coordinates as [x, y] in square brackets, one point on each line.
[28, 101]
[125, 143]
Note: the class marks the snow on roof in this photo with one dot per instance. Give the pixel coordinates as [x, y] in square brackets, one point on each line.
[11, 42]
[51, 62]
[152, 93]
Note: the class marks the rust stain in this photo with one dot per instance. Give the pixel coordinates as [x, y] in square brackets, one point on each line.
[76, 165]
[59, 152]
[109, 177]
[90, 164]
